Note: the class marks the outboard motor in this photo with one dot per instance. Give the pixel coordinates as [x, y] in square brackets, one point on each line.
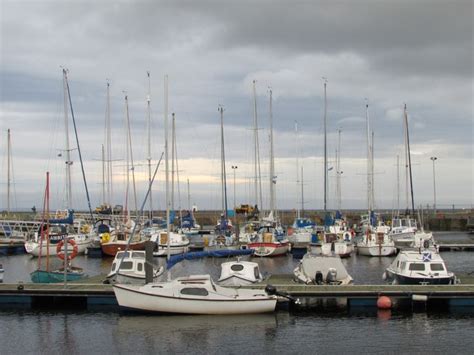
[318, 278]
[331, 276]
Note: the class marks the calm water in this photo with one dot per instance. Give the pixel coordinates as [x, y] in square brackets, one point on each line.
[356, 331]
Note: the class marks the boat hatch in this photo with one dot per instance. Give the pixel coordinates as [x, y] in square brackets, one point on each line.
[237, 267]
[417, 267]
[194, 291]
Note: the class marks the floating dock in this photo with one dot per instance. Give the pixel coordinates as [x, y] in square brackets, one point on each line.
[95, 296]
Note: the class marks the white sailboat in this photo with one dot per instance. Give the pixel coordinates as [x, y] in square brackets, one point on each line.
[271, 239]
[196, 294]
[83, 235]
[375, 241]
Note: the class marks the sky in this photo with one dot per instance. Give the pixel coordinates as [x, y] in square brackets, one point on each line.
[384, 53]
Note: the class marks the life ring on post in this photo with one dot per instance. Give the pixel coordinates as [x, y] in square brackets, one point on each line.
[61, 253]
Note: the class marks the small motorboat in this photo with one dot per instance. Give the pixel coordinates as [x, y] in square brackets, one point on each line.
[239, 273]
[322, 270]
[132, 268]
[178, 243]
[196, 294]
[419, 266]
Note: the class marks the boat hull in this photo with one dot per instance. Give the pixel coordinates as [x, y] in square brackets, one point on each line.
[40, 276]
[405, 280]
[269, 249]
[111, 249]
[34, 248]
[132, 298]
[376, 250]
[162, 250]
[12, 248]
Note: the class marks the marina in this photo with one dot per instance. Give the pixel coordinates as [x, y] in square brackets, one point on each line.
[236, 177]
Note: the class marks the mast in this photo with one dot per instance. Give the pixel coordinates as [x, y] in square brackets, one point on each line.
[9, 152]
[409, 160]
[189, 198]
[338, 171]
[372, 172]
[369, 169]
[405, 130]
[132, 166]
[175, 151]
[77, 142]
[325, 148]
[302, 192]
[108, 149]
[298, 215]
[398, 184]
[258, 175]
[223, 171]
[148, 106]
[168, 229]
[172, 160]
[103, 175]
[68, 151]
[272, 163]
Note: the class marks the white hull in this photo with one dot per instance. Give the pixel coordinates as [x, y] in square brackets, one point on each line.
[376, 250]
[269, 249]
[342, 249]
[34, 248]
[174, 250]
[139, 298]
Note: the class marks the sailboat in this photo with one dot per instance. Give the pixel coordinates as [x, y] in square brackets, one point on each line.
[78, 231]
[174, 240]
[375, 241]
[195, 294]
[271, 239]
[67, 272]
[12, 241]
[408, 235]
[118, 238]
[224, 235]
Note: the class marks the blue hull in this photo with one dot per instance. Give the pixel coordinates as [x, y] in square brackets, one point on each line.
[12, 249]
[44, 277]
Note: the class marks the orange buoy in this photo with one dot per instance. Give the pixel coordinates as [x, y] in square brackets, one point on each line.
[384, 302]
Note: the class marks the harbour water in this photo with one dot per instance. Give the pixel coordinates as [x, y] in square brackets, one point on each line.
[331, 331]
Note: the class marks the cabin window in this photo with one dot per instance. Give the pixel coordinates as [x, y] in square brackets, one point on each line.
[417, 267]
[140, 266]
[114, 265]
[194, 291]
[126, 265]
[237, 267]
[437, 267]
[256, 272]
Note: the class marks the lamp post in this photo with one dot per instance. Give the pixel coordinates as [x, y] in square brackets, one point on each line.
[234, 168]
[433, 159]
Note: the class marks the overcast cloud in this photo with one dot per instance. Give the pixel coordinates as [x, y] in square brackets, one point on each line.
[414, 52]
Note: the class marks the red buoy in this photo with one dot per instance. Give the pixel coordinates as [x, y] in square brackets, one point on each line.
[384, 302]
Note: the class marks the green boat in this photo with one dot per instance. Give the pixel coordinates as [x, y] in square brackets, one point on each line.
[44, 277]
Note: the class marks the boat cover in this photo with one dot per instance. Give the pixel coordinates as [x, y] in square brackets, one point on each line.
[174, 259]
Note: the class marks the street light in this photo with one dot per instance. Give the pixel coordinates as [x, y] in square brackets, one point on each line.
[433, 159]
[234, 168]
